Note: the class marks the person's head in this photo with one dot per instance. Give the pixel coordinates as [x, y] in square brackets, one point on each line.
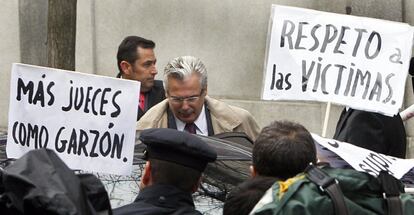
[246, 195]
[136, 61]
[174, 158]
[283, 149]
[185, 83]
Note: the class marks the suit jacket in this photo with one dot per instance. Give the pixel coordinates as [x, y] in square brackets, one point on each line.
[372, 131]
[224, 118]
[154, 96]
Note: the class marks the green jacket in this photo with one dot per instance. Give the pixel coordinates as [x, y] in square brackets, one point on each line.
[362, 192]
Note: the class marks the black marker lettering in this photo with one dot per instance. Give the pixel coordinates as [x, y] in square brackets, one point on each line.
[306, 74]
[72, 142]
[329, 37]
[376, 90]
[49, 92]
[95, 141]
[368, 45]
[57, 147]
[102, 144]
[87, 99]
[387, 82]
[340, 40]
[300, 35]
[358, 41]
[118, 109]
[339, 79]
[287, 35]
[315, 39]
[117, 146]
[360, 76]
[83, 140]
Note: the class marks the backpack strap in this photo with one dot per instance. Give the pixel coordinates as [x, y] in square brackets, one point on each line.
[330, 186]
[391, 193]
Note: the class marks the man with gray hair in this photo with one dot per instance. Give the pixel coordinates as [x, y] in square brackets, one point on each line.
[188, 108]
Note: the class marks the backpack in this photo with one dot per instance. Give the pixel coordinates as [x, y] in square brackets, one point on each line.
[40, 183]
[336, 191]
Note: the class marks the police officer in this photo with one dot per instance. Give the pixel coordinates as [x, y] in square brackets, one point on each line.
[175, 161]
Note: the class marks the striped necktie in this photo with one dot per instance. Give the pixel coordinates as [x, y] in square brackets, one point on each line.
[190, 128]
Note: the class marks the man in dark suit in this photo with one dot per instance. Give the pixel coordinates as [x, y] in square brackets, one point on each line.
[173, 171]
[136, 61]
[373, 131]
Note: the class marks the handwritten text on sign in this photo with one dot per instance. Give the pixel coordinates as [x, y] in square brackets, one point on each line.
[88, 120]
[365, 160]
[355, 61]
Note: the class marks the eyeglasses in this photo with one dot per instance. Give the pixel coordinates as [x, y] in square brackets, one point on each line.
[189, 99]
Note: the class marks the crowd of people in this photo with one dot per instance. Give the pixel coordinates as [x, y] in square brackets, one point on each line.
[174, 112]
[170, 111]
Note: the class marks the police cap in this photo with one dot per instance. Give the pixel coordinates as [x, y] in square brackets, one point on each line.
[178, 147]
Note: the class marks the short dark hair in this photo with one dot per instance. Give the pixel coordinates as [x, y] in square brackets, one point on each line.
[127, 50]
[283, 149]
[169, 173]
[242, 199]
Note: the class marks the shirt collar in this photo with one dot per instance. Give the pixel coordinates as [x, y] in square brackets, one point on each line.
[200, 122]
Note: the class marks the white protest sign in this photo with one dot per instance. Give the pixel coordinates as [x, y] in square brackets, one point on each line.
[365, 160]
[88, 120]
[355, 61]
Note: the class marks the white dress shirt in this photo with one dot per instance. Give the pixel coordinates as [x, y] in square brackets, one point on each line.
[200, 122]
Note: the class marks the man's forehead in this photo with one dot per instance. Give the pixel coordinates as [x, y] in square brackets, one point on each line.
[192, 81]
[184, 90]
[193, 77]
[142, 49]
[145, 52]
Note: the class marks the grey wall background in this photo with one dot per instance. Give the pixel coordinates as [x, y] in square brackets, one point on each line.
[228, 35]
[9, 52]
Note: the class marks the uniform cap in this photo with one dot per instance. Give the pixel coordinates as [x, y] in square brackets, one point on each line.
[178, 147]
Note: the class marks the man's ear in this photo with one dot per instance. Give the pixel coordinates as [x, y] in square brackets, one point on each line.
[146, 176]
[126, 67]
[253, 172]
[197, 185]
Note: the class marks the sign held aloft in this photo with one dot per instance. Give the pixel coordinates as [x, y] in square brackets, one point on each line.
[88, 120]
[355, 61]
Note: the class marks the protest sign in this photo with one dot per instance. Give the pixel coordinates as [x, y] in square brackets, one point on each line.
[88, 120]
[355, 61]
[365, 160]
